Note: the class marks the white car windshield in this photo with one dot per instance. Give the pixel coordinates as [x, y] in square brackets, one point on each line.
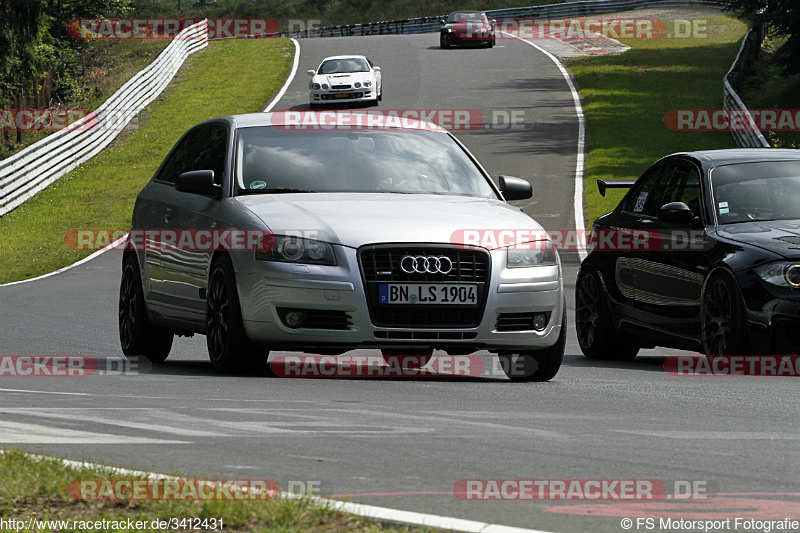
[337, 66]
[273, 159]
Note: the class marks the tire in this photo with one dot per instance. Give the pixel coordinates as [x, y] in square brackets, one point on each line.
[137, 335]
[723, 326]
[490, 44]
[228, 346]
[537, 365]
[443, 44]
[405, 357]
[596, 334]
[380, 94]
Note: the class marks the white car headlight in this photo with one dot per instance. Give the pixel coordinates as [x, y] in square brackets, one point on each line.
[325, 86]
[781, 274]
[287, 249]
[529, 254]
[367, 83]
[315, 86]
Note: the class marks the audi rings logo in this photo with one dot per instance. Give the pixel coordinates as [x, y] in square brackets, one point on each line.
[421, 264]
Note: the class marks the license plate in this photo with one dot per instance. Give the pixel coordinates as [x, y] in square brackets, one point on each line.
[428, 293]
[341, 95]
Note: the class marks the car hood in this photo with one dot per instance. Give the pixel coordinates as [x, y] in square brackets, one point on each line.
[344, 78]
[356, 219]
[779, 236]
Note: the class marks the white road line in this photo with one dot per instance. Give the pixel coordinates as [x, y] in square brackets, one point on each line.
[19, 433]
[105, 249]
[368, 511]
[288, 81]
[580, 165]
[47, 392]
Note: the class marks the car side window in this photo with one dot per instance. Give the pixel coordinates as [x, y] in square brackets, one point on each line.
[683, 185]
[645, 196]
[203, 148]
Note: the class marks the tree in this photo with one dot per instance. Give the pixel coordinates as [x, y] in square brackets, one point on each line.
[783, 18]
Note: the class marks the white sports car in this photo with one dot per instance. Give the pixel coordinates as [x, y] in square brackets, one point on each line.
[345, 79]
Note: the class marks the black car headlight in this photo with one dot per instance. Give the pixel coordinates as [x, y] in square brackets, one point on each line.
[325, 86]
[529, 254]
[781, 274]
[315, 86]
[287, 249]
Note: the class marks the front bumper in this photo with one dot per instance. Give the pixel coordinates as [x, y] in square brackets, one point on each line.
[773, 315]
[458, 39]
[363, 94]
[267, 290]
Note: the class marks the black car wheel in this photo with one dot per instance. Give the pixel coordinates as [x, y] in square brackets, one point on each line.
[596, 335]
[137, 335]
[444, 42]
[537, 365]
[228, 346]
[723, 327]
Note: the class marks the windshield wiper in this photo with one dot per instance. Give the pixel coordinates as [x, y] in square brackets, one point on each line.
[276, 190]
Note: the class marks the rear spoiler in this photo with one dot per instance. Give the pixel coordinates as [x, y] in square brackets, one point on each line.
[602, 185]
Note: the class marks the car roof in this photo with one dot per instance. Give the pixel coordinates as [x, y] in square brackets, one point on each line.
[345, 57]
[730, 156]
[292, 119]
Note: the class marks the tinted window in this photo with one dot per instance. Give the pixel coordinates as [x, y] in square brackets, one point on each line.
[336, 66]
[756, 191]
[203, 148]
[664, 184]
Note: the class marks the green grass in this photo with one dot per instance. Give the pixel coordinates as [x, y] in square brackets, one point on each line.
[101, 193]
[38, 488]
[626, 97]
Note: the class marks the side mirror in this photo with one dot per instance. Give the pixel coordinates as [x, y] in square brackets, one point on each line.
[515, 188]
[198, 182]
[312, 72]
[675, 212]
[376, 69]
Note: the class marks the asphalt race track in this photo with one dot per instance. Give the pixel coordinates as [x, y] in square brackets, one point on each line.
[405, 443]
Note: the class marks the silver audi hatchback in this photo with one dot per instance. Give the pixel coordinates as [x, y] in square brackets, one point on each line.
[332, 231]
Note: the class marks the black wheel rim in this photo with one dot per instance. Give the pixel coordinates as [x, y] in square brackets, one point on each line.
[127, 306]
[587, 313]
[218, 319]
[717, 315]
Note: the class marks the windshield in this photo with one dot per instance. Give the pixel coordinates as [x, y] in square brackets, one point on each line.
[756, 191]
[272, 159]
[467, 15]
[336, 66]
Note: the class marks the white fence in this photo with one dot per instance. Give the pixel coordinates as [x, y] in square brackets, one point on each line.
[26, 173]
[750, 136]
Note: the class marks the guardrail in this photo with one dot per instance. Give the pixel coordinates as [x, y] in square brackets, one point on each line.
[750, 137]
[432, 24]
[26, 173]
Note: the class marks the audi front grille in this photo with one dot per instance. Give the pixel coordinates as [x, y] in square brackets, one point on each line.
[381, 264]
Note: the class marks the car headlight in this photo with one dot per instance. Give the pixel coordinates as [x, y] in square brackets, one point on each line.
[367, 83]
[529, 254]
[781, 274]
[287, 249]
[325, 86]
[449, 30]
[357, 84]
[315, 86]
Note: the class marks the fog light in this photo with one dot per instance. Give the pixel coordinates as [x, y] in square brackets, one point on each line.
[294, 319]
[539, 321]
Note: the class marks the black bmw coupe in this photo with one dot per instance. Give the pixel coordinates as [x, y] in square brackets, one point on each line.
[702, 254]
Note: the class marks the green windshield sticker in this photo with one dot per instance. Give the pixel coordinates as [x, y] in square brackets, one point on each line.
[258, 184]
